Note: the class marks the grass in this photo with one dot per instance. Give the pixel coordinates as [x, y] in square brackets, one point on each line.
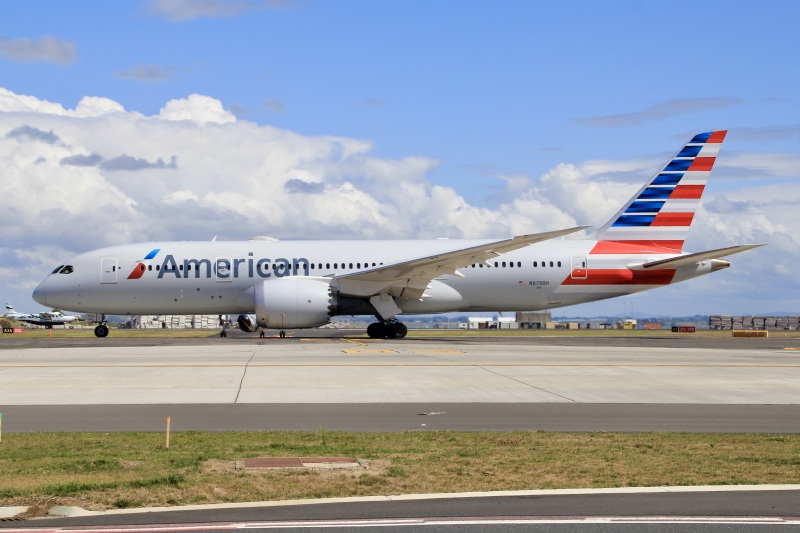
[121, 470]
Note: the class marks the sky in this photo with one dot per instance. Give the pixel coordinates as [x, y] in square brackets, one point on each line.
[149, 120]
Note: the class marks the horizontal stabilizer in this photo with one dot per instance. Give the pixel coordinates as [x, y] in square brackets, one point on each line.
[690, 259]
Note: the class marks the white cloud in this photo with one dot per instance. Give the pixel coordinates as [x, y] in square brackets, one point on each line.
[78, 179]
[661, 111]
[197, 108]
[180, 10]
[47, 48]
[147, 73]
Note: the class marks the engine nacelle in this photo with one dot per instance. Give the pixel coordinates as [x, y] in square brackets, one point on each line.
[294, 302]
[247, 323]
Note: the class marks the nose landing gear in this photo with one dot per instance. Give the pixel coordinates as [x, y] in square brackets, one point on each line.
[101, 330]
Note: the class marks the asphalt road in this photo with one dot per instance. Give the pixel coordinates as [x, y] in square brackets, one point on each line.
[693, 418]
[619, 509]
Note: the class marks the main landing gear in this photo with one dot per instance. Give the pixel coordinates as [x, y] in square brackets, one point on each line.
[261, 334]
[387, 329]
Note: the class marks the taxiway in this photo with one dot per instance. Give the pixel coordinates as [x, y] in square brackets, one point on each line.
[576, 383]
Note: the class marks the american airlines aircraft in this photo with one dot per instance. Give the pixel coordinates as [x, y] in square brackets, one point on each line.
[302, 284]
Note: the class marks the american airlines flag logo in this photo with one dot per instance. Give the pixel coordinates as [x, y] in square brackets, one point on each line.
[139, 269]
[672, 197]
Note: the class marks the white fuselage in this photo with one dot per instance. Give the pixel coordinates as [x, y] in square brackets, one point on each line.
[219, 277]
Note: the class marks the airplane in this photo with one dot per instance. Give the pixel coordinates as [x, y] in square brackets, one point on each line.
[48, 320]
[302, 284]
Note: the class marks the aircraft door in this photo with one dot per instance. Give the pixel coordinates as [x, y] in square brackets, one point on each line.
[580, 267]
[108, 270]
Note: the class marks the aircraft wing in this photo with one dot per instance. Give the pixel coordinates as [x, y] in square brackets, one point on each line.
[409, 279]
[690, 259]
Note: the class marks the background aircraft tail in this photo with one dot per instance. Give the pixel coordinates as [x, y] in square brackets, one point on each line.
[659, 215]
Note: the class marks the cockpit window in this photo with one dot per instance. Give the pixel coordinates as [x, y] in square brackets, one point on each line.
[59, 267]
[66, 270]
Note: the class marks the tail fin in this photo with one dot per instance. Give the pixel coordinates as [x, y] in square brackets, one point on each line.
[660, 214]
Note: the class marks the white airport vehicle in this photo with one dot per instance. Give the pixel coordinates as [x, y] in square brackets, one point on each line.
[302, 284]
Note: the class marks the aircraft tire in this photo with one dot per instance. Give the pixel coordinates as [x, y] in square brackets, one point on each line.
[399, 330]
[376, 330]
[101, 331]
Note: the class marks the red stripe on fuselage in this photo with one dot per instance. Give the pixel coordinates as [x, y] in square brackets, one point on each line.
[636, 247]
[692, 192]
[623, 276]
[673, 219]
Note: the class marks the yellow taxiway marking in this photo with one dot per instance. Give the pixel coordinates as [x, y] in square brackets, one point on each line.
[791, 348]
[353, 341]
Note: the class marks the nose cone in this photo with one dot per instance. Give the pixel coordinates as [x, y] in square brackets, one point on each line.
[40, 294]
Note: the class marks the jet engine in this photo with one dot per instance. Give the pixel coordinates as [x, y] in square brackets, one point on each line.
[294, 302]
[247, 323]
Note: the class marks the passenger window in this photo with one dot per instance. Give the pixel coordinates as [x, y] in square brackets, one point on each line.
[551, 263]
[559, 263]
[535, 263]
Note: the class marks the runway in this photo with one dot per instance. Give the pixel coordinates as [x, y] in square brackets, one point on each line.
[583, 384]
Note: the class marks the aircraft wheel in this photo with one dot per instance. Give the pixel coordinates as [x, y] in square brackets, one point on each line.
[223, 333]
[101, 331]
[376, 330]
[399, 329]
[282, 334]
[261, 333]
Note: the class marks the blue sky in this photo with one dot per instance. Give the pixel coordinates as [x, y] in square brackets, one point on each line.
[412, 119]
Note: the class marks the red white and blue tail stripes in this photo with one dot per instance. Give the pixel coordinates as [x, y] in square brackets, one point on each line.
[659, 215]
